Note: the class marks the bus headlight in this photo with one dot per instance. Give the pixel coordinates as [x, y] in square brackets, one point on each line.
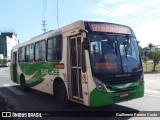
[99, 85]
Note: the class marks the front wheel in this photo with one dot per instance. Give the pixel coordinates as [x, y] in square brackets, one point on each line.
[61, 94]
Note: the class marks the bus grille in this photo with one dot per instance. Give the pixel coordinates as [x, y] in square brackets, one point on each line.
[123, 90]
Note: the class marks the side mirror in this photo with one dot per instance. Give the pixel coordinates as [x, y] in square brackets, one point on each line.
[86, 43]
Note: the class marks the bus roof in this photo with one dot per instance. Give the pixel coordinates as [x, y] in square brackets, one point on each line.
[77, 24]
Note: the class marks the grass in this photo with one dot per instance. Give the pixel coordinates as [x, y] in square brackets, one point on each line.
[150, 67]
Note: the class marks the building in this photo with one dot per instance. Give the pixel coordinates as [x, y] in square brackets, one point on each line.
[7, 41]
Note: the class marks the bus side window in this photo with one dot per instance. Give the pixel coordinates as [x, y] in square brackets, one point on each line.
[54, 50]
[29, 53]
[58, 47]
[40, 51]
[50, 52]
[21, 55]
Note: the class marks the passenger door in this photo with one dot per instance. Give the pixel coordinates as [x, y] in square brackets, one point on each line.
[75, 59]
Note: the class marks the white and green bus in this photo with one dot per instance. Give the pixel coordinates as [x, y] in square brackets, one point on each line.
[88, 62]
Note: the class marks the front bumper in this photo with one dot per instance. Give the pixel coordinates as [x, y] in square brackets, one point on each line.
[98, 98]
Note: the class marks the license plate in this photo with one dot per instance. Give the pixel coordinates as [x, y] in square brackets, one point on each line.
[122, 95]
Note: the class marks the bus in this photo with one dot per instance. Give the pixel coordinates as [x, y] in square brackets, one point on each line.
[72, 64]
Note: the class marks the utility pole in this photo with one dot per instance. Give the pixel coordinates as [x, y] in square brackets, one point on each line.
[44, 26]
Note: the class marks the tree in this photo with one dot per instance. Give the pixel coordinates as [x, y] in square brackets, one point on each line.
[144, 56]
[150, 46]
[141, 51]
[155, 56]
[145, 61]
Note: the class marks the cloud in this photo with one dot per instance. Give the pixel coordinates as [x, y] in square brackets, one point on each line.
[117, 10]
[124, 10]
[148, 32]
[121, 7]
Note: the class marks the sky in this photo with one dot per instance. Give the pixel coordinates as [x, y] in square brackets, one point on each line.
[26, 16]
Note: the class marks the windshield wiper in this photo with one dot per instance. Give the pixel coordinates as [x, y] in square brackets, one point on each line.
[111, 42]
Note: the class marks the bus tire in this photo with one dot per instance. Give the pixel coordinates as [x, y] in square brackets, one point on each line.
[23, 83]
[61, 94]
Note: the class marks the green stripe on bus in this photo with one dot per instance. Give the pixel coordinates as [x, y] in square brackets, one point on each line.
[36, 72]
[98, 98]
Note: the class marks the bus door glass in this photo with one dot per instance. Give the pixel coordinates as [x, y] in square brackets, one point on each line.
[75, 67]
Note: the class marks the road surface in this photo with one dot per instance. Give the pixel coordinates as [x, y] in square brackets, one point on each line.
[38, 101]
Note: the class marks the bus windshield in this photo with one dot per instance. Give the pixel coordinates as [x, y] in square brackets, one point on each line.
[114, 54]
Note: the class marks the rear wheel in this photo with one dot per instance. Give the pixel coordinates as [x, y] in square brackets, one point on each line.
[23, 83]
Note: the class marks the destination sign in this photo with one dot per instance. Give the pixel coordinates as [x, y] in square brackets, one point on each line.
[106, 65]
[108, 27]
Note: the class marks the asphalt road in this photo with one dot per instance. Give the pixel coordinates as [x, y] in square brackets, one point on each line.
[152, 82]
[38, 101]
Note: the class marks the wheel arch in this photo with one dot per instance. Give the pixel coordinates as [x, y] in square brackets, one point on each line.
[58, 80]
